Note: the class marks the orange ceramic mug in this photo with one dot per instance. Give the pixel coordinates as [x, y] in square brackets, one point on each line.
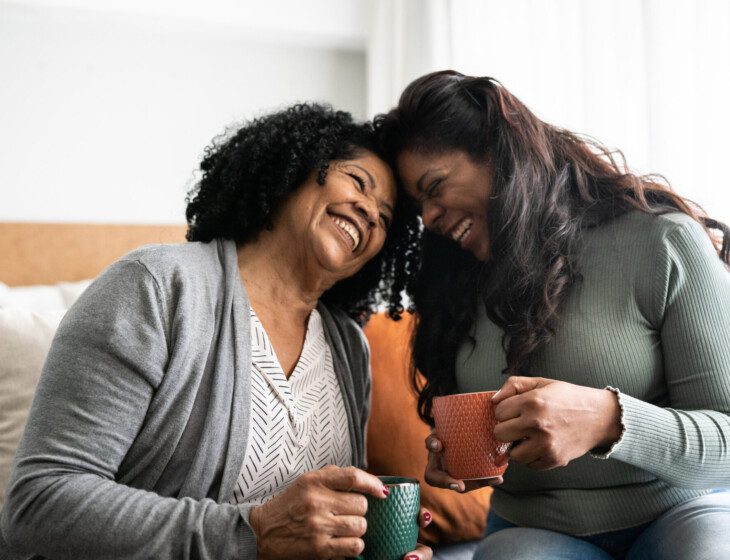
[465, 425]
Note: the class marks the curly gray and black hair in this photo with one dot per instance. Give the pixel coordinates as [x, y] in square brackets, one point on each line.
[247, 176]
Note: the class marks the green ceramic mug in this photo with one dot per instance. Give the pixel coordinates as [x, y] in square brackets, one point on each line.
[393, 522]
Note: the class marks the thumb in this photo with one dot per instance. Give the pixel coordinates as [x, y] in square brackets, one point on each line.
[351, 479]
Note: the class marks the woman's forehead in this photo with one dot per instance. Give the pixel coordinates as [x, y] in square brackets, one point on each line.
[414, 165]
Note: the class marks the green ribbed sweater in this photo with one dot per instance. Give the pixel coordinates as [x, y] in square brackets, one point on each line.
[651, 317]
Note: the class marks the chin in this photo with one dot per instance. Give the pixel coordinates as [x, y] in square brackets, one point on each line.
[337, 262]
[481, 253]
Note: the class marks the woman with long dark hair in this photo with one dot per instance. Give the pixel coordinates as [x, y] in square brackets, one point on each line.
[597, 299]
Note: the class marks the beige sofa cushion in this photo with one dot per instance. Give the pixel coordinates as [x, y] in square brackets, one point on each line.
[25, 337]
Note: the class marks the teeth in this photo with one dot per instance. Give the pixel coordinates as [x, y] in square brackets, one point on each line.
[349, 229]
[460, 231]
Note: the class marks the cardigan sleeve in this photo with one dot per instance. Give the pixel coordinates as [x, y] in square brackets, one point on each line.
[687, 443]
[106, 361]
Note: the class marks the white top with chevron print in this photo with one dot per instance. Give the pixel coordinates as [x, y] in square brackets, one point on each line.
[297, 424]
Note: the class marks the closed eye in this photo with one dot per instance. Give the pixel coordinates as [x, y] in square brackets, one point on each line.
[359, 180]
[433, 187]
[386, 221]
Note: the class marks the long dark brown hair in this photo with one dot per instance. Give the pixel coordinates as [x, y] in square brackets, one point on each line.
[550, 185]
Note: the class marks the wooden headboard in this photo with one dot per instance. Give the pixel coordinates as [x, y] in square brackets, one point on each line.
[38, 253]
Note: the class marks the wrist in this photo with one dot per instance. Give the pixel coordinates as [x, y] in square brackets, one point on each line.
[610, 430]
[254, 521]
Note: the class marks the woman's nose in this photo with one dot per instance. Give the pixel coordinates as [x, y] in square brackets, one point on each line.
[368, 209]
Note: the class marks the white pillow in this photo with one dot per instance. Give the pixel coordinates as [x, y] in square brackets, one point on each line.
[42, 298]
[25, 337]
[70, 291]
[36, 298]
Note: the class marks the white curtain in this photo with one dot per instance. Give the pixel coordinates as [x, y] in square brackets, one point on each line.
[407, 38]
[650, 77]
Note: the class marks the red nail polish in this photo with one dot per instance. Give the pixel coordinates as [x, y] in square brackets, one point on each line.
[386, 490]
[427, 516]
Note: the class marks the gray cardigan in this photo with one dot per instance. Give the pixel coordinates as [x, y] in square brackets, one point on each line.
[139, 423]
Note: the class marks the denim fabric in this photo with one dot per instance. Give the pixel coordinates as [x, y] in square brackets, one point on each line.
[698, 529]
[457, 551]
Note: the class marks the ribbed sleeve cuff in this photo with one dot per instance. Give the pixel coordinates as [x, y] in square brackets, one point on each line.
[248, 537]
[642, 422]
[602, 453]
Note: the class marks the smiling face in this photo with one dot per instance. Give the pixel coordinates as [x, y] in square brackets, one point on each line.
[337, 227]
[452, 191]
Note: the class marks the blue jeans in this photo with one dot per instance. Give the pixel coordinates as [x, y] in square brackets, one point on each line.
[698, 529]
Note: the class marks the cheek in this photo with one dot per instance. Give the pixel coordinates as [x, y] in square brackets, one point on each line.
[481, 199]
[456, 199]
[481, 224]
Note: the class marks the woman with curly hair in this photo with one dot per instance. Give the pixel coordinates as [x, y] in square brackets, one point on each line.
[596, 300]
[209, 399]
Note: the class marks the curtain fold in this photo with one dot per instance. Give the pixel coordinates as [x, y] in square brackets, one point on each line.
[407, 38]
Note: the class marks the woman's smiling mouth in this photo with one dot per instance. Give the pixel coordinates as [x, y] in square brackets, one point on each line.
[460, 232]
[349, 229]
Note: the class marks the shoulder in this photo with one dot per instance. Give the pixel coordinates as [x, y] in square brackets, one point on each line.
[186, 259]
[644, 255]
[638, 225]
[186, 270]
[668, 238]
[639, 237]
[680, 230]
[665, 227]
[684, 262]
[173, 275]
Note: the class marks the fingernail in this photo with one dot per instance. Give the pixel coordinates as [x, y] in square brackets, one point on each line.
[494, 396]
[386, 491]
[412, 557]
[427, 516]
[454, 487]
[433, 446]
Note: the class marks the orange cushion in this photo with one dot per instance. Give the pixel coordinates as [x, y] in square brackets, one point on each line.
[395, 439]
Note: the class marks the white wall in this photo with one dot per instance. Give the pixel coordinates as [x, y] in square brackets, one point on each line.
[104, 114]
[106, 105]
[329, 23]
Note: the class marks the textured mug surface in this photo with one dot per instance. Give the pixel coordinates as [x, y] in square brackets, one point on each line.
[393, 522]
[465, 425]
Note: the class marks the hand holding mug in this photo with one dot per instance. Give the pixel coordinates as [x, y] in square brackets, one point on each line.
[321, 515]
[437, 476]
[463, 452]
[393, 523]
[553, 421]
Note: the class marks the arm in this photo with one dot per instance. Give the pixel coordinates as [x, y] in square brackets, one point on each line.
[106, 361]
[688, 443]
